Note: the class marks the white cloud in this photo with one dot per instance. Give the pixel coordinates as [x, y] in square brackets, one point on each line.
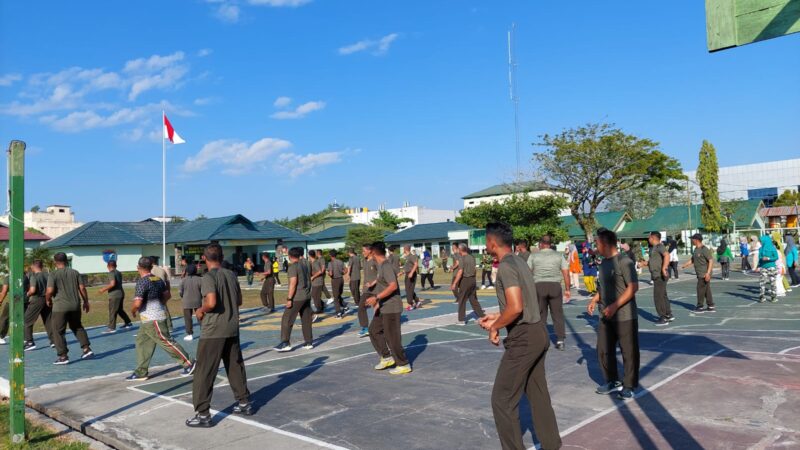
[282, 102]
[235, 157]
[9, 79]
[89, 119]
[203, 52]
[150, 134]
[279, 3]
[377, 46]
[203, 101]
[297, 165]
[155, 72]
[228, 12]
[299, 112]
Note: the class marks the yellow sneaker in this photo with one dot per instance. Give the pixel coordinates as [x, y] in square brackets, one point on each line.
[385, 363]
[401, 370]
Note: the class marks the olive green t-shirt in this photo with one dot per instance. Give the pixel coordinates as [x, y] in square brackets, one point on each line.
[317, 265]
[616, 273]
[66, 294]
[336, 267]
[370, 274]
[456, 260]
[701, 258]
[117, 291]
[467, 265]
[656, 259]
[38, 281]
[547, 265]
[355, 268]
[386, 276]
[394, 260]
[300, 271]
[513, 271]
[223, 320]
[411, 259]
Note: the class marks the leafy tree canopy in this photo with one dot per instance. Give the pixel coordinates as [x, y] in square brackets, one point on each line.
[531, 217]
[389, 221]
[788, 198]
[305, 222]
[358, 236]
[708, 179]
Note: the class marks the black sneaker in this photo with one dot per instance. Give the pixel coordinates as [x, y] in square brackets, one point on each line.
[609, 388]
[625, 394]
[243, 409]
[188, 371]
[29, 346]
[560, 345]
[711, 308]
[61, 361]
[671, 318]
[699, 310]
[134, 377]
[88, 353]
[200, 421]
[283, 347]
[662, 322]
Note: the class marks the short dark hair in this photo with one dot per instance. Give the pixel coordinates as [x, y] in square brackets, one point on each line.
[37, 263]
[521, 242]
[333, 253]
[351, 250]
[657, 234]
[546, 240]
[60, 257]
[379, 247]
[145, 262]
[113, 263]
[311, 253]
[297, 252]
[607, 236]
[367, 246]
[213, 252]
[502, 232]
[191, 270]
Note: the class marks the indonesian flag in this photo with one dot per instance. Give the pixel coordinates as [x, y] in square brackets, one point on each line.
[169, 133]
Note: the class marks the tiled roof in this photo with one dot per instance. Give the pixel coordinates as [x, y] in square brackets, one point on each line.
[426, 232]
[776, 211]
[510, 188]
[28, 235]
[110, 233]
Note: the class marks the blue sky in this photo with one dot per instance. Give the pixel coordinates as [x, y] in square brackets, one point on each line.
[289, 104]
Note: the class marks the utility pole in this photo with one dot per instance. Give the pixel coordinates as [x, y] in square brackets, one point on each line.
[16, 224]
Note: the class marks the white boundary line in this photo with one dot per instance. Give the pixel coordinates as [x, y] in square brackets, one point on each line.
[787, 350]
[242, 420]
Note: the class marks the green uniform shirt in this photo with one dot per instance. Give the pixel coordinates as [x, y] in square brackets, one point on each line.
[39, 281]
[370, 271]
[303, 289]
[223, 320]
[547, 266]
[66, 294]
[615, 275]
[656, 259]
[317, 265]
[513, 271]
[386, 276]
[467, 266]
[116, 291]
[355, 268]
[395, 261]
[411, 259]
[336, 267]
[701, 258]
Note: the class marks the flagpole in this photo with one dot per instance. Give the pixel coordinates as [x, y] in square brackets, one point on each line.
[163, 192]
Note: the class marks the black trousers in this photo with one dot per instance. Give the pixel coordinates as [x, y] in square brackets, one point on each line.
[210, 351]
[467, 292]
[337, 284]
[268, 293]
[115, 308]
[303, 309]
[486, 275]
[626, 335]
[37, 307]
[704, 292]
[793, 276]
[426, 276]
[316, 298]
[660, 298]
[673, 269]
[522, 370]
[726, 269]
[411, 285]
[746, 263]
[551, 298]
[59, 320]
[455, 291]
[384, 333]
[277, 277]
[188, 320]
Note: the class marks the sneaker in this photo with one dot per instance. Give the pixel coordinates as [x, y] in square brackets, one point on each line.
[109, 330]
[774, 300]
[3, 341]
[128, 325]
[409, 308]
[315, 318]
[662, 322]
[308, 345]
[278, 285]
[483, 287]
[188, 371]
[134, 377]
[671, 318]
[560, 345]
[385, 363]
[609, 388]
[200, 421]
[329, 301]
[364, 332]
[88, 353]
[462, 324]
[61, 361]
[339, 315]
[625, 394]
[245, 409]
[52, 345]
[699, 310]
[761, 300]
[29, 346]
[283, 347]
[401, 370]
[711, 308]
[188, 337]
[417, 304]
[345, 310]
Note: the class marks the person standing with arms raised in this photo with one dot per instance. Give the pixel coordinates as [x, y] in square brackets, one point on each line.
[522, 367]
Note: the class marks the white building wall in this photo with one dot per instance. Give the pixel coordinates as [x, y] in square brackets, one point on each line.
[419, 214]
[735, 181]
[54, 221]
[329, 245]
[471, 202]
[90, 259]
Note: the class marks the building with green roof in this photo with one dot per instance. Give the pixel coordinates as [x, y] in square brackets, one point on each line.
[613, 220]
[501, 192]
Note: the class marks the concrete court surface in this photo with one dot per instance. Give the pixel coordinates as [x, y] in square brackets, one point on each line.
[725, 380]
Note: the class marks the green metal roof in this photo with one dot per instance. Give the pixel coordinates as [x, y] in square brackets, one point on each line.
[426, 232]
[236, 227]
[275, 231]
[510, 188]
[674, 219]
[608, 219]
[112, 233]
[338, 232]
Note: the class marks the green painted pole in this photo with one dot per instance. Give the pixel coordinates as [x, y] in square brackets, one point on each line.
[16, 360]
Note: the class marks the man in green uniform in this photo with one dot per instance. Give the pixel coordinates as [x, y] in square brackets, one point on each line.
[354, 272]
[550, 268]
[219, 341]
[65, 293]
[410, 269]
[116, 297]
[703, 262]
[522, 368]
[384, 331]
[370, 279]
[298, 302]
[467, 285]
[455, 253]
[619, 324]
[658, 265]
[336, 272]
[37, 306]
[317, 271]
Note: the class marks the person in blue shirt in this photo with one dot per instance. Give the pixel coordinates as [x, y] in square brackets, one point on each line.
[767, 259]
[744, 249]
[791, 260]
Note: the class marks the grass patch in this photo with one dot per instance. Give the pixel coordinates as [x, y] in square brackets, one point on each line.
[39, 437]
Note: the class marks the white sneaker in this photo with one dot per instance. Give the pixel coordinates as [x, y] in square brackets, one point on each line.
[483, 287]
[188, 337]
[3, 341]
[329, 301]
[278, 285]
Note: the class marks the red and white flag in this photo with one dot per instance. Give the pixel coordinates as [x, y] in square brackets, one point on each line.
[169, 133]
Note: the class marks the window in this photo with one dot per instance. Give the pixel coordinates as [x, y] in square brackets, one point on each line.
[60, 209]
[767, 195]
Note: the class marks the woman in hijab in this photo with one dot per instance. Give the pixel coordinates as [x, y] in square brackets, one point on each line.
[791, 260]
[744, 250]
[673, 258]
[767, 266]
[724, 258]
[783, 283]
[755, 245]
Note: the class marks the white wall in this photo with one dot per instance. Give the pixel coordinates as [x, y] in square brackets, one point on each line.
[470, 202]
[419, 214]
[331, 245]
[90, 259]
[734, 181]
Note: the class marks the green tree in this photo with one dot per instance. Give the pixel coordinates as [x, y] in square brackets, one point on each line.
[201, 217]
[35, 208]
[708, 179]
[364, 234]
[643, 203]
[40, 253]
[595, 161]
[177, 219]
[787, 198]
[389, 221]
[304, 222]
[531, 217]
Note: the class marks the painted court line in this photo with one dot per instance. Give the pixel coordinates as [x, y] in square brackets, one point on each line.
[787, 350]
[242, 420]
